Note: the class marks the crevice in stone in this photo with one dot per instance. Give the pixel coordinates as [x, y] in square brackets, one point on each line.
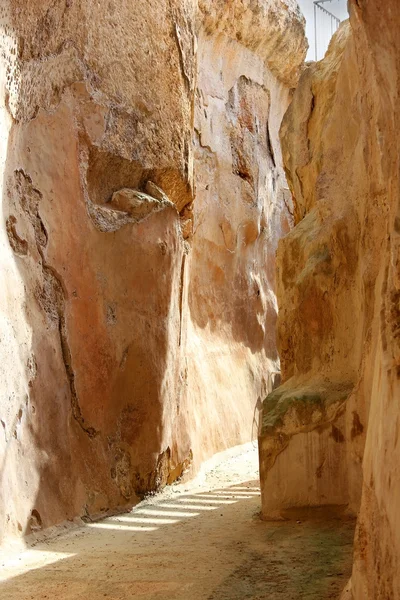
[270, 148]
[197, 134]
[52, 294]
[288, 208]
[185, 76]
[181, 290]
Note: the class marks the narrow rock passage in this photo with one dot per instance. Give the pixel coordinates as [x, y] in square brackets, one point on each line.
[197, 541]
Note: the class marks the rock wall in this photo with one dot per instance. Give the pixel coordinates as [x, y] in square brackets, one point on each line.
[330, 432]
[314, 424]
[239, 213]
[142, 199]
[376, 573]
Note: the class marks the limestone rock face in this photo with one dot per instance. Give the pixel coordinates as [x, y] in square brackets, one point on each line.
[376, 571]
[143, 195]
[281, 45]
[330, 431]
[313, 428]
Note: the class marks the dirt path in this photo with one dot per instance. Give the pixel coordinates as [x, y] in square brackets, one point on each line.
[202, 541]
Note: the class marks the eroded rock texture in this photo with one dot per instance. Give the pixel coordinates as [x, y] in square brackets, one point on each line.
[330, 432]
[322, 280]
[142, 200]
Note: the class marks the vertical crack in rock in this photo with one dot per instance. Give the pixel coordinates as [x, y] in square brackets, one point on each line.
[181, 289]
[52, 295]
[270, 147]
[185, 40]
[178, 37]
[286, 202]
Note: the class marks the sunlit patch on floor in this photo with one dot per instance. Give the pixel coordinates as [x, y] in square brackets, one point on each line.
[18, 564]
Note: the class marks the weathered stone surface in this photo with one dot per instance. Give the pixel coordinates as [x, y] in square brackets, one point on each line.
[142, 200]
[271, 29]
[338, 295]
[321, 279]
[376, 571]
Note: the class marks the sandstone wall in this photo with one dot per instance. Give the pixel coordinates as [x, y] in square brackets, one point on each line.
[239, 213]
[324, 290]
[330, 432]
[376, 573]
[142, 199]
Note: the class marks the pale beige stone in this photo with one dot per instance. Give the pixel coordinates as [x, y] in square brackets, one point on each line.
[338, 295]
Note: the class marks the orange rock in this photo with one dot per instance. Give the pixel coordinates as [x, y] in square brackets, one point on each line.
[135, 338]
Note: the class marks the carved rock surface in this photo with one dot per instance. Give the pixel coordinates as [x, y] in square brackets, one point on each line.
[330, 432]
[143, 195]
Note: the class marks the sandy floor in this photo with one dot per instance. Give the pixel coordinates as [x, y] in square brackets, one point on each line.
[202, 541]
